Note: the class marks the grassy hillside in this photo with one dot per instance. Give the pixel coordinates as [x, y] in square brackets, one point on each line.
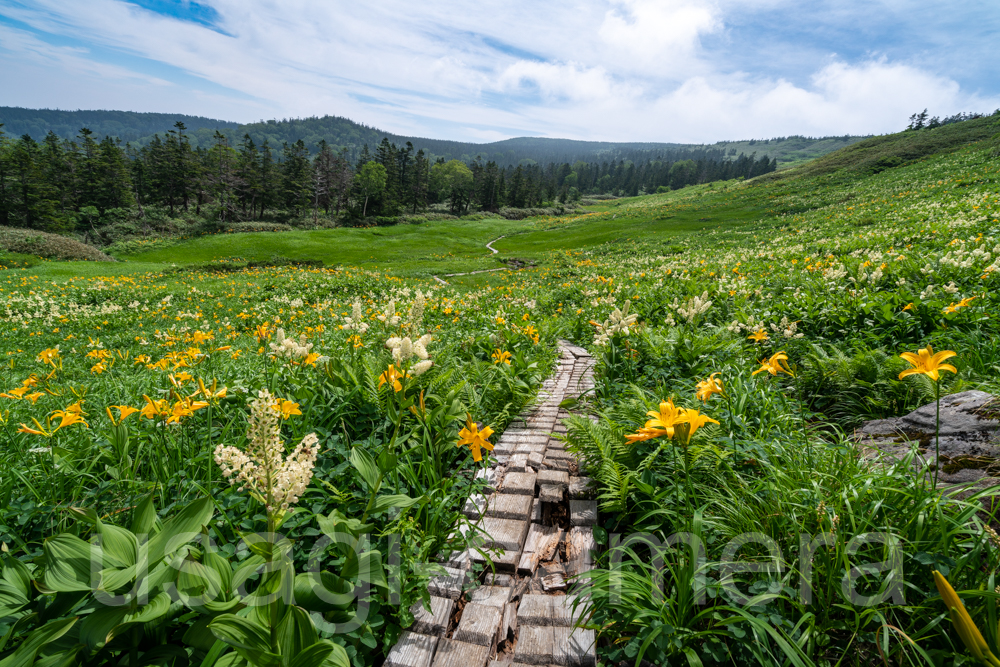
[759, 322]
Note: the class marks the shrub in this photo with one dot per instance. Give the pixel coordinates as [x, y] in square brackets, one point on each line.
[49, 246]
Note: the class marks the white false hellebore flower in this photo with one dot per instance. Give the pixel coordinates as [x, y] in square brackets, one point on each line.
[404, 349]
[618, 321]
[272, 478]
[389, 316]
[356, 321]
[289, 347]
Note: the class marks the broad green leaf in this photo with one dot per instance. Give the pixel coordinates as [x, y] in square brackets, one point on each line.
[85, 514]
[322, 591]
[67, 564]
[296, 633]
[95, 629]
[222, 568]
[382, 503]
[144, 517]
[181, 527]
[25, 654]
[119, 546]
[313, 656]
[337, 658]
[233, 659]
[11, 599]
[371, 570]
[17, 575]
[365, 465]
[251, 640]
[65, 658]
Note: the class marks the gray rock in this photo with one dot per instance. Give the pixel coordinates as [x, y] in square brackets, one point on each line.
[969, 437]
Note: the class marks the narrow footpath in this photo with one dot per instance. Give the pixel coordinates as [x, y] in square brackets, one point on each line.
[532, 533]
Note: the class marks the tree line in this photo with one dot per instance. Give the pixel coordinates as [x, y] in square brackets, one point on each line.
[75, 185]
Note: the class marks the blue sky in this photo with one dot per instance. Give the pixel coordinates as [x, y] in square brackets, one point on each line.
[623, 70]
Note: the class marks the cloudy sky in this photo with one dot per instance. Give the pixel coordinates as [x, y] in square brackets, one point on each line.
[618, 70]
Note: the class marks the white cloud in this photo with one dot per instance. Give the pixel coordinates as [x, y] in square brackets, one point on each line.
[589, 69]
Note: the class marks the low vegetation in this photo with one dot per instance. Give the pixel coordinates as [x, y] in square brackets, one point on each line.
[742, 331]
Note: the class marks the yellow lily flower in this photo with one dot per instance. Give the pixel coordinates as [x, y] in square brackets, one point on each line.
[501, 356]
[123, 412]
[40, 430]
[154, 409]
[967, 630]
[707, 387]
[666, 418]
[695, 420]
[927, 362]
[391, 376]
[49, 356]
[774, 365]
[475, 439]
[758, 336]
[286, 408]
[642, 434]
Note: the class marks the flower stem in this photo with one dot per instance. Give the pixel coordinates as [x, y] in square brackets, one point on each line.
[937, 431]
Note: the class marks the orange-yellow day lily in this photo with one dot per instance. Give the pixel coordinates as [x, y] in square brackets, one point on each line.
[695, 420]
[391, 376]
[286, 408]
[642, 434]
[16, 394]
[49, 356]
[39, 430]
[67, 417]
[501, 356]
[908, 306]
[34, 397]
[758, 336]
[154, 409]
[927, 362]
[123, 412]
[476, 440]
[666, 418]
[210, 394]
[967, 630]
[707, 387]
[778, 363]
[98, 368]
[310, 359]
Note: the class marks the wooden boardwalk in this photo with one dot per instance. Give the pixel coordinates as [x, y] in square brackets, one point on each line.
[532, 532]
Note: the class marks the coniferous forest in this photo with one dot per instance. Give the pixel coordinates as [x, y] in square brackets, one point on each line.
[60, 184]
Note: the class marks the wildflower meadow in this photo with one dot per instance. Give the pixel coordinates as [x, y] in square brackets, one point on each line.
[216, 464]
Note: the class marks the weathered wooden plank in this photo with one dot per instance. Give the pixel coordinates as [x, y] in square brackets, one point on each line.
[551, 493]
[520, 482]
[557, 477]
[435, 621]
[573, 647]
[517, 462]
[556, 463]
[506, 534]
[452, 653]
[548, 610]
[479, 624]
[582, 512]
[494, 596]
[553, 453]
[510, 506]
[579, 545]
[541, 542]
[412, 650]
[554, 582]
[535, 645]
[489, 475]
[534, 460]
[450, 584]
[475, 506]
[580, 488]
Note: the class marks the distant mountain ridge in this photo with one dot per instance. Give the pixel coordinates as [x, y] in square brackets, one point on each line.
[139, 127]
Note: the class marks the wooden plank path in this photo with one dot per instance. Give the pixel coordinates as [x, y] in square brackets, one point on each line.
[535, 529]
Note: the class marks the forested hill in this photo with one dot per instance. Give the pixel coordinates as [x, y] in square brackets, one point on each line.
[125, 125]
[344, 133]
